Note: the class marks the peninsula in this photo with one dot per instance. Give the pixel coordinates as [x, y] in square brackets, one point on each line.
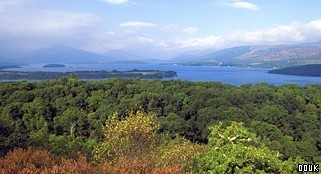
[86, 75]
[54, 66]
[313, 70]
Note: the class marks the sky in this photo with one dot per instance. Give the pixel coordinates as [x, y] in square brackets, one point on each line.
[154, 29]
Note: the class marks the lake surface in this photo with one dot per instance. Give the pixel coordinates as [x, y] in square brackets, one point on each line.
[230, 75]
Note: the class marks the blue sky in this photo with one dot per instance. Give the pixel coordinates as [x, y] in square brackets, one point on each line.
[159, 28]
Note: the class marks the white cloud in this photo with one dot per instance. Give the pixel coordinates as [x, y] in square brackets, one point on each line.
[4, 4]
[137, 24]
[240, 4]
[285, 34]
[190, 30]
[115, 2]
[33, 29]
[170, 28]
[47, 23]
[244, 5]
[28, 31]
[103, 42]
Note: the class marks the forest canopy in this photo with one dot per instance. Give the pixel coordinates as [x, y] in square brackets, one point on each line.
[65, 117]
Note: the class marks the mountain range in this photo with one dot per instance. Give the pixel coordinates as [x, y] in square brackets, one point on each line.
[270, 56]
[261, 56]
[63, 54]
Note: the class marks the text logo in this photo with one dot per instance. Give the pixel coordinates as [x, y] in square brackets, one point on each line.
[308, 167]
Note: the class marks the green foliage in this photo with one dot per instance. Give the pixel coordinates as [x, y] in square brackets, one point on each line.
[236, 150]
[39, 75]
[179, 151]
[173, 124]
[72, 122]
[54, 113]
[68, 146]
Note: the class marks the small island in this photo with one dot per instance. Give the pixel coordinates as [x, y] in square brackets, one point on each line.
[2, 67]
[87, 75]
[313, 70]
[54, 66]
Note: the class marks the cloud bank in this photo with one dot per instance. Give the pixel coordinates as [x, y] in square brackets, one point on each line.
[7, 3]
[32, 29]
[49, 23]
[295, 32]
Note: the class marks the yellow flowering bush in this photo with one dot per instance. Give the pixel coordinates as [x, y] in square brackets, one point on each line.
[134, 145]
[131, 136]
[180, 151]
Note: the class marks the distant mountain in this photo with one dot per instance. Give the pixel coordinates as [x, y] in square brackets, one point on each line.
[304, 70]
[63, 54]
[263, 56]
[227, 54]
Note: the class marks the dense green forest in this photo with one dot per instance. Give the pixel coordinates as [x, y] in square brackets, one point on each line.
[54, 66]
[87, 75]
[227, 127]
[313, 70]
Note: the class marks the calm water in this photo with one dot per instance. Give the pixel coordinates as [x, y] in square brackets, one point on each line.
[231, 75]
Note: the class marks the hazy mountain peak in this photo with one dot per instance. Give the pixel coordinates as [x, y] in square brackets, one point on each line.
[64, 54]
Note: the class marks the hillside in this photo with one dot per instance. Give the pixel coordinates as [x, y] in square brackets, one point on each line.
[63, 54]
[263, 56]
[313, 70]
